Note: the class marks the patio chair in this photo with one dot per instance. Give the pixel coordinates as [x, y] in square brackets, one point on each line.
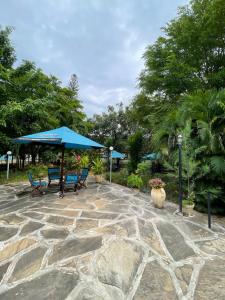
[53, 174]
[36, 185]
[83, 177]
[71, 181]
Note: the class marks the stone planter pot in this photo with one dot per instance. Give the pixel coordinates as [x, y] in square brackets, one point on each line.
[98, 178]
[158, 197]
[189, 210]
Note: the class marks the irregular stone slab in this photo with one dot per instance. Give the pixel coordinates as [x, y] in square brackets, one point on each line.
[7, 232]
[11, 219]
[28, 264]
[193, 231]
[30, 227]
[75, 247]
[125, 228]
[98, 215]
[118, 264]
[80, 205]
[54, 205]
[3, 270]
[216, 247]
[54, 285]
[116, 208]
[211, 281]
[61, 221]
[34, 215]
[111, 196]
[16, 205]
[184, 276]
[15, 248]
[95, 291]
[66, 213]
[174, 241]
[149, 236]
[156, 283]
[148, 215]
[104, 189]
[54, 233]
[85, 224]
[100, 203]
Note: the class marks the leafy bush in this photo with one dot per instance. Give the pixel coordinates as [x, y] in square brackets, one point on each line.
[84, 161]
[49, 156]
[97, 167]
[38, 170]
[144, 171]
[134, 181]
[135, 143]
[119, 177]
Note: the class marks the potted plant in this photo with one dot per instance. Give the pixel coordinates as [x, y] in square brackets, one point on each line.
[188, 205]
[158, 193]
[97, 169]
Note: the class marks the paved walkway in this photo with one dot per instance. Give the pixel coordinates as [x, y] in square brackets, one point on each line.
[108, 242]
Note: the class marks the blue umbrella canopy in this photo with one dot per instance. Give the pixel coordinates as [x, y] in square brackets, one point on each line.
[116, 154]
[151, 156]
[60, 136]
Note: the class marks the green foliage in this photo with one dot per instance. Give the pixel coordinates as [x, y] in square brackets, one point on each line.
[97, 166]
[84, 161]
[144, 171]
[183, 91]
[31, 101]
[38, 170]
[135, 143]
[17, 176]
[105, 127]
[134, 181]
[7, 52]
[190, 55]
[49, 156]
[119, 177]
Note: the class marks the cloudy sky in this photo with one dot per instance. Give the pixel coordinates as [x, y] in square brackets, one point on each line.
[102, 41]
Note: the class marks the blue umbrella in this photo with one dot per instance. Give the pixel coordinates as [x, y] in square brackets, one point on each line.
[151, 156]
[64, 137]
[61, 136]
[116, 154]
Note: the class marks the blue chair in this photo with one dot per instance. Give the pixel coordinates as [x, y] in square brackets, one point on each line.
[71, 181]
[53, 174]
[83, 177]
[36, 185]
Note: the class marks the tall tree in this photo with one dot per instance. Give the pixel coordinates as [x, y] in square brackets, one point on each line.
[191, 55]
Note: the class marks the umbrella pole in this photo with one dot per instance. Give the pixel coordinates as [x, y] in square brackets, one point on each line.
[62, 167]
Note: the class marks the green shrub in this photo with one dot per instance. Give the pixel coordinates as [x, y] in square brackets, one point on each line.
[134, 181]
[97, 167]
[84, 161]
[135, 143]
[38, 170]
[144, 171]
[119, 177]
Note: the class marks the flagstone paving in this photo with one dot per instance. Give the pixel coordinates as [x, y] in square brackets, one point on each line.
[106, 243]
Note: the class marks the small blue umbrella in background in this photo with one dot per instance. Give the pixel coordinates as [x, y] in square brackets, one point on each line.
[116, 154]
[151, 156]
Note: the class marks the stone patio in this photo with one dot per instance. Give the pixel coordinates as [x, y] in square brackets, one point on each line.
[107, 242]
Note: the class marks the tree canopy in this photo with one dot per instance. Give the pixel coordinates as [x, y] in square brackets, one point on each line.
[31, 101]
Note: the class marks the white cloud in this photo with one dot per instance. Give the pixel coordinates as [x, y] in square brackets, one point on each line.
[102, 41]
